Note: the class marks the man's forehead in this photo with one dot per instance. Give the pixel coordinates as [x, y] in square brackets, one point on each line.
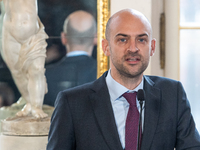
[128, 19]
[129, 27]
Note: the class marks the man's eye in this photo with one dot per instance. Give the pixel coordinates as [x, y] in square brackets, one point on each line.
[122, 40]
[141, 40]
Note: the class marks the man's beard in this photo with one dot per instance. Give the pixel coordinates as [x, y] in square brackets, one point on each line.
[123, 71]
[126, 72]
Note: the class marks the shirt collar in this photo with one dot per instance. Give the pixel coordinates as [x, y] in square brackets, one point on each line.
[116, 90]
[76, 53]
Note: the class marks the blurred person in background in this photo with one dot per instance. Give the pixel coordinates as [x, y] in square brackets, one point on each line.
[78, 67]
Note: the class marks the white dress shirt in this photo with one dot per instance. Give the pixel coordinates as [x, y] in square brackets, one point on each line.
[119, 104]
[76, 53]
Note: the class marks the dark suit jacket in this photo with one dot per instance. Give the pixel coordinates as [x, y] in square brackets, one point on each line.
[83, 118]
[69, 72]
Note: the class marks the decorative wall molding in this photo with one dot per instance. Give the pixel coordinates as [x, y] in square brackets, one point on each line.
[103, 14]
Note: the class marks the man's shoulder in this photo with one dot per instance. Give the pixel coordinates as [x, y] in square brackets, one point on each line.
[158, 80]
[90, 86]
[152, 77]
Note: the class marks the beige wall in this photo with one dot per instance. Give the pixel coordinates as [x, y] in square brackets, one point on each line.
[157, 9]
[172, 40]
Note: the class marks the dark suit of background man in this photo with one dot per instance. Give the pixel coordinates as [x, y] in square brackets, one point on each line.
[78, 67]
[93, 116]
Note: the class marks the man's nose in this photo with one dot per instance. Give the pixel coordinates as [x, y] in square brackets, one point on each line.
[133, 46]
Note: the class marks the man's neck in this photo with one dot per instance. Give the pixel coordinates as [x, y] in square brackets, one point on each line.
[128, 82]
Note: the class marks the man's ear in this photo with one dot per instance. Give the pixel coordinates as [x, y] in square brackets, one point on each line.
[63, 38]
[105, 47]
[95, 40]
[153, 47]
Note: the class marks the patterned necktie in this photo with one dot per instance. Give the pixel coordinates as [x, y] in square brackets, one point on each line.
[132, 122]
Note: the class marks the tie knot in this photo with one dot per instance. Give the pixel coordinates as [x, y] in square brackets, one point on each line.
[131, 98]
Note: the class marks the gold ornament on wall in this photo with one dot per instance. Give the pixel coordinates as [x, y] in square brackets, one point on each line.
[103, 14]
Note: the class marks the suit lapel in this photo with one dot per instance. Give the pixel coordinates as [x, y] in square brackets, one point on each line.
[152, 110]
[101, 104]
[102, 107]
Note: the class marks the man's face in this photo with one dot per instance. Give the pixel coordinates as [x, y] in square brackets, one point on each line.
[130, 46]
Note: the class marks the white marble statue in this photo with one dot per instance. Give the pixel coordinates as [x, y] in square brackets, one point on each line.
[24, 51]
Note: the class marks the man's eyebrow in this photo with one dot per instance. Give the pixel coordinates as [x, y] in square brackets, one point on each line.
[140, 35]
[121, 34]
[125, 35]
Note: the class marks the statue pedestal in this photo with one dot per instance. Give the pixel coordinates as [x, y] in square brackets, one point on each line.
[28, 126]
[23, 142]
[8, 112]
[23, 133]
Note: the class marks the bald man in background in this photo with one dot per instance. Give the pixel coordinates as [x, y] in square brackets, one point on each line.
[78, 67]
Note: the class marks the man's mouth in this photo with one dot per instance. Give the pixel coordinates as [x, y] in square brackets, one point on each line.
[133, 59]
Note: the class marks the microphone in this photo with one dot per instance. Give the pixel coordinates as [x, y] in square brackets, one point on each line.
[141, 98]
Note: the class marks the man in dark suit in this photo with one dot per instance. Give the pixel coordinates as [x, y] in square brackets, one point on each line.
[95, 116]
[78, 67]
